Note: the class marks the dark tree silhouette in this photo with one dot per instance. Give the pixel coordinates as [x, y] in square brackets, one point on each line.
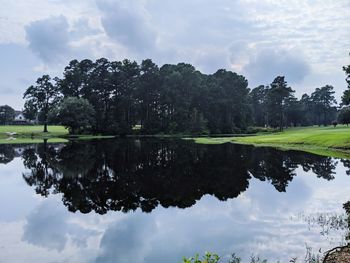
[125, 175]
[41, 97]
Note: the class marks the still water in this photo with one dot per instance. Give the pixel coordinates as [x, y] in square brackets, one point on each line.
[159, 200]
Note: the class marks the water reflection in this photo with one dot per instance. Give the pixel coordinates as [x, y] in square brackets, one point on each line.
[124, 175]
[159, 176]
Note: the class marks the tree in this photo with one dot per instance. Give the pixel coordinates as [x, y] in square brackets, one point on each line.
[323, 101]
[100, 93]
[258, 104]
[346, 95]
[228, 102]
[293, 112]
[307, 117]
[277, 96]
[76, 79]
[180, 85]
[148, 95]
[176, 99]
[7, 114]
[344, 116]
[76, 114]
[43, 96]
[30, 110]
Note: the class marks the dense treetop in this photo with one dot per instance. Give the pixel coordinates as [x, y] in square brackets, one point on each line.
[122, 95]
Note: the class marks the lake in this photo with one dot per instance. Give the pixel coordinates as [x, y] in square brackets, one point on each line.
[157, 200]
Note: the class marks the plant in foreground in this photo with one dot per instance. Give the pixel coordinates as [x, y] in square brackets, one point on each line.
[207, 258]
[214, 258]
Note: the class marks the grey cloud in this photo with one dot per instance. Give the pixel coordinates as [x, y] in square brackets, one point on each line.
[126, 241]
[128, 24]
[49, 38]
[208, 34]
[81, 28]
[210, 60]
[48, 227]
[240, 225]
[55, 41]
[269, 63]
[200, 23]
[238, 51]
[16, 67]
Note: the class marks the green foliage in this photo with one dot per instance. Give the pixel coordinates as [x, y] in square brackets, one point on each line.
[176, 99]
[277, 96]
[235, 259]
[76, 114]
[310, 257]
[323, 101]
[214, 258]
[7, 114]
[170, 99]
[346, 95]
[276, 106]
[30, 110]
[344, 116]
[258, 102]
[256, 259]
[207, 258]
[41, 98]
[226, 102]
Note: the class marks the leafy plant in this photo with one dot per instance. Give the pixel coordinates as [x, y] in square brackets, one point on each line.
[254, 259]
[235, 259]
[207, 258]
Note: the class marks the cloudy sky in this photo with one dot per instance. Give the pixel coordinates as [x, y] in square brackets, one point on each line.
[307, 41]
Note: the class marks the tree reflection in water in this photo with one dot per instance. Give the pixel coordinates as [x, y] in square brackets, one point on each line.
[124, 175]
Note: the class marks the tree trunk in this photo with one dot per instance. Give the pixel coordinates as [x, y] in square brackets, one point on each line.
[46, 111]
[45, 126]
[281, 118]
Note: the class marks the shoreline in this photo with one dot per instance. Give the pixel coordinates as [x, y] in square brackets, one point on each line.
[325, 141]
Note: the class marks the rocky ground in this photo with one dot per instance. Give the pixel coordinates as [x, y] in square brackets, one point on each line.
[338, 255]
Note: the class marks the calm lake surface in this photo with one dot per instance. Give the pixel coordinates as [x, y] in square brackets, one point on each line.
[155, 200]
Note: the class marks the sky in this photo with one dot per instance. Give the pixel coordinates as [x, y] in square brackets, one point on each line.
[305, 41]
[261, 219]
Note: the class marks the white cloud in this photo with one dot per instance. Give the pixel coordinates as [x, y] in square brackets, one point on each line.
[128, 24]
[48, 38]
[269, 63]
[236, 35]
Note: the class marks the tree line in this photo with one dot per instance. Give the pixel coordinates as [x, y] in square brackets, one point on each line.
[106, 175]
[122, 97]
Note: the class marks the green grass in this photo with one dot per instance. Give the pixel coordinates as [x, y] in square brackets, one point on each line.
[327, 141]
[29, 140]
[34, 134]
[28, 130]
[31, 134]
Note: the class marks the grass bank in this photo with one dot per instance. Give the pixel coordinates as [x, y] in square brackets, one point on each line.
[327, 141]
[21, 134]
[13, 134]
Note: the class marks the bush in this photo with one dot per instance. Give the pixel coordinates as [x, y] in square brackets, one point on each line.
[207, 258]
[76, 114]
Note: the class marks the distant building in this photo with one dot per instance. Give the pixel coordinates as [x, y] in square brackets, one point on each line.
[20, 119]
